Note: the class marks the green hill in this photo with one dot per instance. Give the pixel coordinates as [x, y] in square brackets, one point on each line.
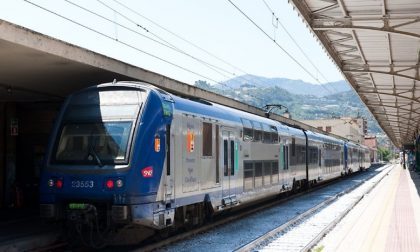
[301, 107]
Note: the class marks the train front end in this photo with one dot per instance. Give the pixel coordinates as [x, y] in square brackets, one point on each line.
[105, 157]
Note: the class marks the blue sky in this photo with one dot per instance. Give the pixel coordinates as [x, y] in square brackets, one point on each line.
[215, 26]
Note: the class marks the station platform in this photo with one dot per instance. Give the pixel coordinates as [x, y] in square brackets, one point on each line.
[23, 230]
[386, 219]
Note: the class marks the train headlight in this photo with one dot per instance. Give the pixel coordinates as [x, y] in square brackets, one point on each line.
[51, 183]
[119, 183]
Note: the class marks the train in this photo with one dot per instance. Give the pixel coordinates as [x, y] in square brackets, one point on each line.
[130, 154]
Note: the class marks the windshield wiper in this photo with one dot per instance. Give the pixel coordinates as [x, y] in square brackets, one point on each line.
[92, 151]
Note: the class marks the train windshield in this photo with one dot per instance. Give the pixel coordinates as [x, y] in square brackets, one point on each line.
[98, 143]
[97, 126]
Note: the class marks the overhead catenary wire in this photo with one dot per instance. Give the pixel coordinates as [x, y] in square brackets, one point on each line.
[166, 43]
[179, 37]
[128, 45]
[187, 41]
[119, 41]
[297, 44]
[275, 42]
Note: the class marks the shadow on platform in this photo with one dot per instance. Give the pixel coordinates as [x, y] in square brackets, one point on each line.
[415, 176]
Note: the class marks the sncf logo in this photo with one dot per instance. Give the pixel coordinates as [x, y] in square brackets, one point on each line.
[147, 172]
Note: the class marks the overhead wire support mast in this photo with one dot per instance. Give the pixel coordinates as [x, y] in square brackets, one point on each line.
[275, 42]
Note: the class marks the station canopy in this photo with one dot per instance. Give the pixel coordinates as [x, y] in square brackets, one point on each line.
[376, 45]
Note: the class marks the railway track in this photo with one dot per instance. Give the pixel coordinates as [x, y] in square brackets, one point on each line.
[307, 229]
[221, 221]
[166, 244]
[225, 219]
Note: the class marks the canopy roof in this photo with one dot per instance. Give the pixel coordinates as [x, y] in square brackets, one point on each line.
[375, 43]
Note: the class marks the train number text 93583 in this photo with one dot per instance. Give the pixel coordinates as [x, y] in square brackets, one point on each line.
[82, 184]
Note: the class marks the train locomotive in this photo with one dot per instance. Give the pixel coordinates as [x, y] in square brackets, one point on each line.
[130, 154]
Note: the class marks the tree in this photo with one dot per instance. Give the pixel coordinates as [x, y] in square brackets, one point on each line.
[384, 153]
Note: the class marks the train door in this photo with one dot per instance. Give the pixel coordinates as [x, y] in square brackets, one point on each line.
[284, 164]
[169, 186]
[190, 159]
[229, 162]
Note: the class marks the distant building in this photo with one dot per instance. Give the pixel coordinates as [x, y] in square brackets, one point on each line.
[370, 141]
[353, 129]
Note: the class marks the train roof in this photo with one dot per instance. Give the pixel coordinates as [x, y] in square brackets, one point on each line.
[220, 112]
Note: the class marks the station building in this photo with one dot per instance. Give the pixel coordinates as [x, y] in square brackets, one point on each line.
[353, 129]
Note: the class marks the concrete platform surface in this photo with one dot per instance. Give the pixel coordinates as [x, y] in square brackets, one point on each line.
[384, 220]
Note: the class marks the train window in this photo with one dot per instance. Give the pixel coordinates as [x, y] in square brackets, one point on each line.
[225, 157]
[257, 131]
[275, 172]
[301, 158]
[267, 173]
[270, 134]
[313, 155]
[274, 134]
[293, 147]
[248, 134]
[248, 176]
[258, 169]
[286, 157]
[267, 137]
[283, 156]
[98, 143]
[217, 155]
[104, 104]
[207, 139]
[248, 170]
[232, 157]
[258, 172]
[319, 157]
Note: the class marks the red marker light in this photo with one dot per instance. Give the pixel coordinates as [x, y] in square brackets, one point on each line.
[147, 172]
[59, 183]
[109, 184]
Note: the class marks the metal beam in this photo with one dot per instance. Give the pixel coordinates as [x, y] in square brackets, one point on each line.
[381, 72]
[370, 64]
[326, 8]
[389, 106]
[348, 20]
[343, 8]
[383, 93]
[383, 7]
[350, 28]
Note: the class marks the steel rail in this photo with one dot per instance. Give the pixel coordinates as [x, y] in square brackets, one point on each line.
[306, 215]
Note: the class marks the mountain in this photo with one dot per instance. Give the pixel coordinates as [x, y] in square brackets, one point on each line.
[293, 86]
[301, 106]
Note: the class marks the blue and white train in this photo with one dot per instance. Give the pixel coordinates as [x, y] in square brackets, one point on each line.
[128, 153]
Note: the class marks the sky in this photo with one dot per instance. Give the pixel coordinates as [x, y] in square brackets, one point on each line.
[152, 34]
